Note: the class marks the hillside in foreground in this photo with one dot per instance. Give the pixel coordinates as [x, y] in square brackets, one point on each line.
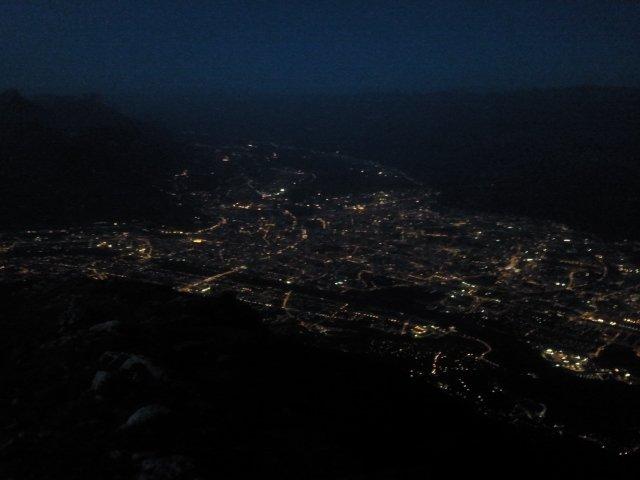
[132, 380]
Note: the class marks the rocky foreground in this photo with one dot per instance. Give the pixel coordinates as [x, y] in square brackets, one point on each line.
[124, 380]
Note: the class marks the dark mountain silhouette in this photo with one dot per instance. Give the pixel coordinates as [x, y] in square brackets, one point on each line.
[569, 154]
[70, 160]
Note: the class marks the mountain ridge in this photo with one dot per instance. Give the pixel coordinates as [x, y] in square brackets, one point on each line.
[70, 160]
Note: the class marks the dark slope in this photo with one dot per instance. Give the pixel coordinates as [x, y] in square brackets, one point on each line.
[568, 154]
[71, 160]
[128, 380]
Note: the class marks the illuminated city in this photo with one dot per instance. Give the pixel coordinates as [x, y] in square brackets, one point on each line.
[436, 286]
[343, 240]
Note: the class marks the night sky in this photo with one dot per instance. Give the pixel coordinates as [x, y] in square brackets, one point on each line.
[316, 46]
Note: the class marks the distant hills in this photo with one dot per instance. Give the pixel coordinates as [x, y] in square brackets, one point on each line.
[567, 154]
[74, 159]
[570, 154]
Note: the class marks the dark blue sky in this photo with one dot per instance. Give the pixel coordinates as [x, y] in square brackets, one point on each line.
[320, 46]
